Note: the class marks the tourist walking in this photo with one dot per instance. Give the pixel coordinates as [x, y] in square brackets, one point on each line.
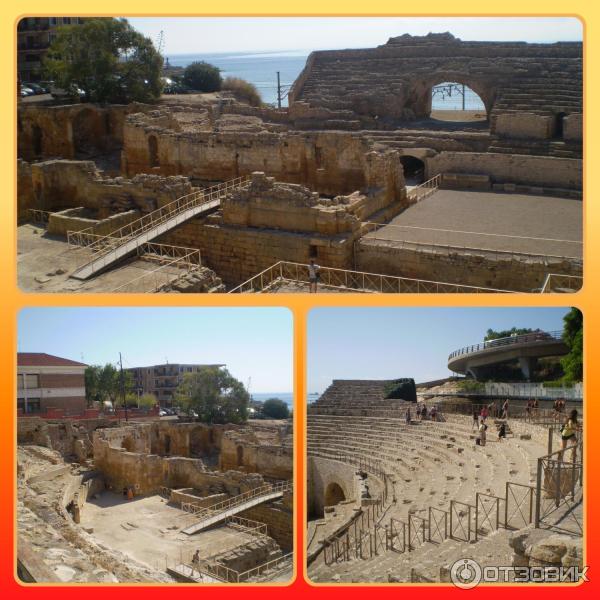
[196, 562]
[424, 412]
[482, 434]
[433, 413]
[484, 414]
[313, 275]
[407, 416]
[568, 433]
[505, 409]
[475, 419]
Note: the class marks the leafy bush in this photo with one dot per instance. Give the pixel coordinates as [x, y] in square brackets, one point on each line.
[275, 408]
[243, 90]
[401, 389]
[202, 77]
[470, 386]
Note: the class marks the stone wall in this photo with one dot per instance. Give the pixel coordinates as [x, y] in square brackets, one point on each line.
[394, 81]
[58, 184]
[542, 171]
[73, 219]
[321, 473]
[70, 131]
[477, 268]
[279, 518]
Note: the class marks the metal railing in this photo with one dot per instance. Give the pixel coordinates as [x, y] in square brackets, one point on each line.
[103, 245]
[263, 490]
[355, 281]
[526, 338]
[564, 283]
[372, 230]
[39, 216]
[248, 526]
[559, 489]
[424, 190]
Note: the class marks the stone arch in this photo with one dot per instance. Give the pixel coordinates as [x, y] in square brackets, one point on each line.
[153, 151]
[419, 96]
[240, 456]
[334, 494]
[85, 134]
[414, 169]
[559, 125]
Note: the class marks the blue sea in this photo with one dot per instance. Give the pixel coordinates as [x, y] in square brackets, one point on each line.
[287, 397]
[261, 70]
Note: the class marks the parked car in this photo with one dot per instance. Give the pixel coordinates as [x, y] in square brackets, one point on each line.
[61, 93]
[26, 91]
[36, 87]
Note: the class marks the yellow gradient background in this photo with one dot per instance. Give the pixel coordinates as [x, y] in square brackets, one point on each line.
[12, 300]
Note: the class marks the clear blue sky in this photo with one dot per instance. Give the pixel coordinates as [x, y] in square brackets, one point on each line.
[387, 343]
[252, 342]
[187, 35]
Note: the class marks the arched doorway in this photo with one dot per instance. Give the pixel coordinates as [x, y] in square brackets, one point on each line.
[37, 140]
[414, 169]
[559, 126]
[334, 494]
[456, 102]
[153, 151]
[240, 456]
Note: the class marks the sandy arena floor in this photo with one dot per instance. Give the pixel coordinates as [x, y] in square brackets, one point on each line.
[148, 529]
[41, 258]
[522, 216]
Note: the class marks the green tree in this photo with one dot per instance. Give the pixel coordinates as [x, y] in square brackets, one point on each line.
[104, 384]
[572, 363]
[106, 58]
[202, 77]
[147, 401]
[495, 335]
[92, 384]
[214, 395]
[275, 408]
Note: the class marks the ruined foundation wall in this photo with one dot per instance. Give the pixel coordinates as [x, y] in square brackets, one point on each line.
[70, 130]
[279, 518]
[547, 172]
[330, 162]
[472, 268]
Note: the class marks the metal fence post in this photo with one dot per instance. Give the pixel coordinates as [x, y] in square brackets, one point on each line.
[538, 489]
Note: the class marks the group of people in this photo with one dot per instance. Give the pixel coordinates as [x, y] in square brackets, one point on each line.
[532, 409]
[480, 417]
[422, 414]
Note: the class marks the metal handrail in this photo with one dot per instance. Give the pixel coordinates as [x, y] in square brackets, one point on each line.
[162, 214]
[331, 277]
[564, 281]
[428, 187]
[264, 490]
[534, 336]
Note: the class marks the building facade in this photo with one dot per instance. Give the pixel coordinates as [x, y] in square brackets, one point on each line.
[46, 382]
[162, 380]
[34, 36]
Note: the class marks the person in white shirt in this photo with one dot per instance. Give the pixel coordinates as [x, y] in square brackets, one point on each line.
[313, 275]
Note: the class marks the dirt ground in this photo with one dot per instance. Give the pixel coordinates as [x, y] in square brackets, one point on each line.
[44, 263]
[149, 530]
[485, 219]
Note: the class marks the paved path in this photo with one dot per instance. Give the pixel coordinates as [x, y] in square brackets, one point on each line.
[520, 215]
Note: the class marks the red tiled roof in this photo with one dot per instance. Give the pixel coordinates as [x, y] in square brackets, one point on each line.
[41, 359]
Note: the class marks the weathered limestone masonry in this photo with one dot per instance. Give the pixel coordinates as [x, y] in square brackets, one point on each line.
[462, 266]
[71, 131]
[279, 518]
[524, 87]
[269, 452]
[331, 162]
[272, 221]
[59, 184]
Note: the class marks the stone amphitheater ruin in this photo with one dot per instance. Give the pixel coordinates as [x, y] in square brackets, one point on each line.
[102, 500]
[396, 501]
[203, 193]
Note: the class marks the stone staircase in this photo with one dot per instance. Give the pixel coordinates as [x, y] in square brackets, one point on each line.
[429, 464]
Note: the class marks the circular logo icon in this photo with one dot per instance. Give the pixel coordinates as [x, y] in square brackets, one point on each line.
[465, 573]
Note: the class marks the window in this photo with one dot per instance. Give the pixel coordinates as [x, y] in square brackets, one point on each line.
[66, 20]
[53, 21]
[32, 381]
[19, 382]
